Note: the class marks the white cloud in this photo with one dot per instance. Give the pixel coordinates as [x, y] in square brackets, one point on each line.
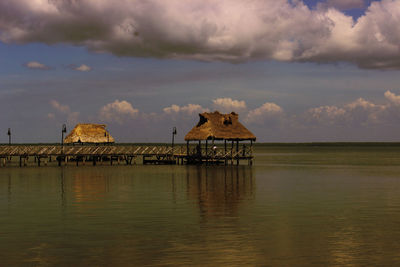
[83, 68]
[36, 65]
[268, 111]
[227, 105]
[226, 30]
[189, 109]
[71, 117]
[326, 113]
[118, 111]
[59, 107]
[394, 99]
[361, 103]
[358, 112]
[347, 121]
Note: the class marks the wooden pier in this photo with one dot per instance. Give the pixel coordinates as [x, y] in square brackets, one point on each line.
[24, 155]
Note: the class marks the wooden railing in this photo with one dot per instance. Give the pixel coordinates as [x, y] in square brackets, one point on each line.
[106, 150]
[157, 154]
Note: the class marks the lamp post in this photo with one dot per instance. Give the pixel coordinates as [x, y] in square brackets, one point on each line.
[173, 136]
[63, 130]
[9, 136]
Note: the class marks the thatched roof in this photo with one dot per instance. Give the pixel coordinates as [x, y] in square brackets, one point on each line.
[89, 133]
[220, 127]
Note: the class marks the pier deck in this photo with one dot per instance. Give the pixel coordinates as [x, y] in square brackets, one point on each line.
[151, 154]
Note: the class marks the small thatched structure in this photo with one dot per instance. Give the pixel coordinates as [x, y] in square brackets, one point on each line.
[217, 126]
[89, 133]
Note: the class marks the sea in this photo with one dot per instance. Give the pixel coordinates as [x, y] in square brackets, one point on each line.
[297, 205]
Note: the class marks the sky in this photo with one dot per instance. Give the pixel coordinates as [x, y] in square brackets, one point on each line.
[294, 71]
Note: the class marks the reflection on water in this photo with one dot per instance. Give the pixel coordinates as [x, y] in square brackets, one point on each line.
[276, 213]
[219, 191]
[171, 215]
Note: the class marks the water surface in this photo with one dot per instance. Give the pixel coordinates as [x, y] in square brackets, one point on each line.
[297, 206]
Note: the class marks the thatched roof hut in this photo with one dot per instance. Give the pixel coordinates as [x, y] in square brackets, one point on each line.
[89, 133]
[217, 126]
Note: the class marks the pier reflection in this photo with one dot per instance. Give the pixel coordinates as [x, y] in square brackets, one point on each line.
[219, 191]
[89, 186]
[80, 187]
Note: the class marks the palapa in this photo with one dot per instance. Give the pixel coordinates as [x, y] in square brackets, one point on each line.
[89, 133]
[219, 126]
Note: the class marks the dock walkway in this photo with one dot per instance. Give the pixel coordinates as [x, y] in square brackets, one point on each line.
[151, 154]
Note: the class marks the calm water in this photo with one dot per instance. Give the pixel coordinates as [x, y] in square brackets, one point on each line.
[298, 206]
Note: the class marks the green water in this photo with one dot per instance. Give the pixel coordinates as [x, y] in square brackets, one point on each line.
[297, 206]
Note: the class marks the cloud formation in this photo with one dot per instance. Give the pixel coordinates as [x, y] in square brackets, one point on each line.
[393, 99]
[357, 113]
[60, 107]
[358, 120]
[267, 112]
[184, 112]
[227, 105]
[212, 30]
[71, 117]
[118, 111]
[82, 68]
[36, 65]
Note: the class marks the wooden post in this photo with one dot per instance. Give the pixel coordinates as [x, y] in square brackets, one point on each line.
[187, 150]
[232, 153]
[213, 150]
[251, 153]
[206, 152]
[237, 152]
[199, 153]
[225, 152]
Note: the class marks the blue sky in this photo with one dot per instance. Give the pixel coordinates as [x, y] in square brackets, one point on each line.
[295, 72]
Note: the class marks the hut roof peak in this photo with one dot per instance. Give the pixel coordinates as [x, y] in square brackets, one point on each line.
[215, 125]
[89, 133]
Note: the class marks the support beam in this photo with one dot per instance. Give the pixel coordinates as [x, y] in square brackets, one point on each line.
[226, 160]
[237, 152]
[232, 153]
[206, 152]
[187, 149]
